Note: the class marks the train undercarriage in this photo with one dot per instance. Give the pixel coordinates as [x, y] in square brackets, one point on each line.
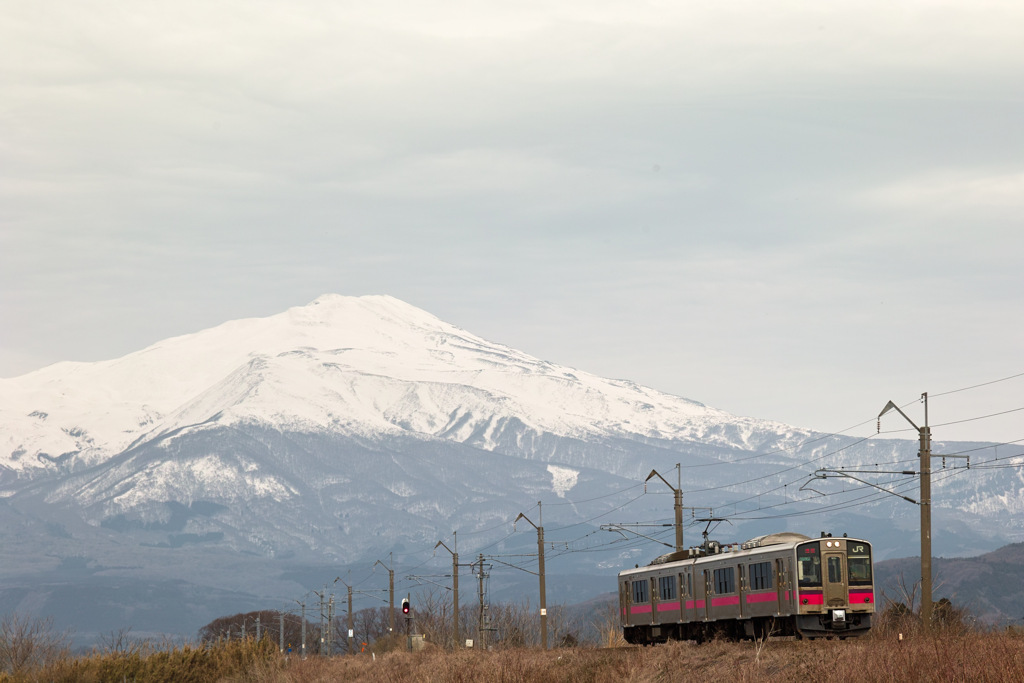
[807, 626]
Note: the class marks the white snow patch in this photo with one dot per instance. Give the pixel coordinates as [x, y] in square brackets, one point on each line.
[562, 479]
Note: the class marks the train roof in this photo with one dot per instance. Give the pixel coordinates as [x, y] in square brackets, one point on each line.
[785, 540]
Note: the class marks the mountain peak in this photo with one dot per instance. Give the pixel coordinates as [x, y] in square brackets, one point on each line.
[372, 363]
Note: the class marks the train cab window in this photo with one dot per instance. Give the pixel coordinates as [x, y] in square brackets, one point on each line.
[725, 580]
[858, 563]
[667, 588]
[640, 591]
[835, 569]
[808, 566]
[761, 576]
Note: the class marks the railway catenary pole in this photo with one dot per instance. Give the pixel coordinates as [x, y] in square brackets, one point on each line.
[302, 646]
[330, 627]
[351, 623]
[678, 491]
[323, 628]
[925, 454]
[351, 626]
[540, 571]
[482, 616]
[925, 503]
[391, 592]
[455, 587]
[303, 650]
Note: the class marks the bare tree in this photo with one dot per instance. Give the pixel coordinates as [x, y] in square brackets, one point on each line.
[28, 642]
[120, 641]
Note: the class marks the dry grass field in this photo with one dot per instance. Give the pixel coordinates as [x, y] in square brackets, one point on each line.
[896, 650]
[969, 657]
[972, 656]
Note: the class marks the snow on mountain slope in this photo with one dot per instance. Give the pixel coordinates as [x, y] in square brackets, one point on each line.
[356, 365]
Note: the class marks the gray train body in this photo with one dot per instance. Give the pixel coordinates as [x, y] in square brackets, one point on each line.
[779, 584]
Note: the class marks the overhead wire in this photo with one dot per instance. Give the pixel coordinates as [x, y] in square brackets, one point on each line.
[893, 486]
[975, 386]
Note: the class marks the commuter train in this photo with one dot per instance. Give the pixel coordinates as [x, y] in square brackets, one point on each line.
[778, 584]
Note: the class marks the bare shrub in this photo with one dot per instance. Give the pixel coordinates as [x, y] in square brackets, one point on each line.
[608, 626]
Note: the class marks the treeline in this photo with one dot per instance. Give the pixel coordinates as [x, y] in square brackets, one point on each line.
[502, 625]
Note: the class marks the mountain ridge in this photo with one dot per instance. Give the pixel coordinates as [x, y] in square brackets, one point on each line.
[320, 439]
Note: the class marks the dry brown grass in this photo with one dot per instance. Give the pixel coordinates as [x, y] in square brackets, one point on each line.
[997, 657]
[971, 656]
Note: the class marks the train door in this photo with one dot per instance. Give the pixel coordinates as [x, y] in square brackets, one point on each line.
[681, 594]
[653, 590]
[780, 584]
[624, 603]
[707, 594]
[835, 579]
[741, 584]
[689, 603]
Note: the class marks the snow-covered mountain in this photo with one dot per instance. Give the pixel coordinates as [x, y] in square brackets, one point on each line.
[363, 367]
[341, 431]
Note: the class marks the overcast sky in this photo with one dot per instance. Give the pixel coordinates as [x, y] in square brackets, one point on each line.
[787, 210]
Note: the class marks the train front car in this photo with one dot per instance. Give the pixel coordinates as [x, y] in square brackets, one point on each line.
[835, 590]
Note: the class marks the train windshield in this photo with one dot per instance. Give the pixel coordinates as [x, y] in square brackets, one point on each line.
[808, 565]
[858, 560]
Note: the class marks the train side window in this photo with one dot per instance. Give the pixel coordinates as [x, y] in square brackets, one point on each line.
[725, 580]
[640, 591]
[689, 583]
[761, 576]
[667, 588]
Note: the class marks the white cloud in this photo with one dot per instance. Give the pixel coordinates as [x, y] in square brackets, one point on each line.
[953, 190]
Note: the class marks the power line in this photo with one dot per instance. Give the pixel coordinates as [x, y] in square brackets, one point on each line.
[975, 386]
[980, 417]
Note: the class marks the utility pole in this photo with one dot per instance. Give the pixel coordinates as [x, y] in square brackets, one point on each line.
[302, 650]
[391, 592]
[482, 618]
[455, 587]
[540, 568]
[925, 455]
[280, 632]
[330, 626]
[351, 623]
[323, 630]
[678, 491]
